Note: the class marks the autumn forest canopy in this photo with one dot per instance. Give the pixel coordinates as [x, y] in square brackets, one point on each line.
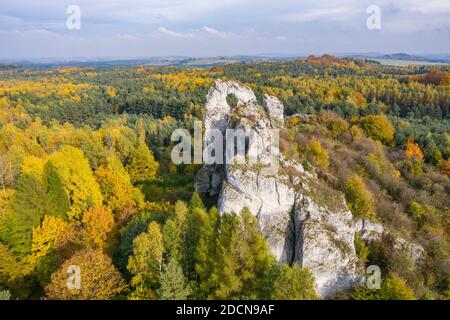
[86, 178]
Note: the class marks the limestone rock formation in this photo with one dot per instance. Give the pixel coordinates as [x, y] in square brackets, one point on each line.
[297, 228]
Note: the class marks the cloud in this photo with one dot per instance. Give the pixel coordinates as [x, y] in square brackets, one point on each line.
[9, 21]
[214, 32]
[30, 34]
[164, 27]
[172, 33]
[431, 7]
[128, 37]
[316, 14]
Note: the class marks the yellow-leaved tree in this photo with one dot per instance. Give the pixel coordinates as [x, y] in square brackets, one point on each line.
[98, 224]
[115, 185]
[377, 127]
[71, 183]
[141, 164]
[359, 199]
[46, 235]
[317, 153]
[413, 150]
[93, 274]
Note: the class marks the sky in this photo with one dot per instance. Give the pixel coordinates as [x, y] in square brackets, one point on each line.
[31, 29]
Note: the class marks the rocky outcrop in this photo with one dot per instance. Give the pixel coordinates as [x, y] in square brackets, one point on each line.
[325, 245]
[296, 227]
[371, 231]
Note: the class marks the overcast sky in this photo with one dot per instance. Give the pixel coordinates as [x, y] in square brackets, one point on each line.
[143, 28]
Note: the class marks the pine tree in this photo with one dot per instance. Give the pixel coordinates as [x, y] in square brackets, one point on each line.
[196, 202]
[243, 259]
[137, 225]
[173, 283]
[206, 252]
[196, 218]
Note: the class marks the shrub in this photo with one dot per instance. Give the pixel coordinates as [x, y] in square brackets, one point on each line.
[317, 153]
[362, 250]
[416, 210]
[377, 127]
[359, 199]
[294, 283]
[393, 288]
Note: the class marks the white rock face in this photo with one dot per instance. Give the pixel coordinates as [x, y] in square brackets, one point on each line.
[297, 229]
[369, 230]
[413, 250]
[270, 200]
[275, 110]
[325, 245]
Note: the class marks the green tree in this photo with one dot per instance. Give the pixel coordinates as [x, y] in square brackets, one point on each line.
[141, 164]
[29, 204]
[196, 218]
[173, 283]
[174, 233]
[195, 225]
[294, 283]
[242, 260]
[416, 210]
[196, 202]
[146, 262]
[137, 225]
[206, 253]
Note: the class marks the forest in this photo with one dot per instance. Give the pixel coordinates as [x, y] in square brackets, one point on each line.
[86, 179]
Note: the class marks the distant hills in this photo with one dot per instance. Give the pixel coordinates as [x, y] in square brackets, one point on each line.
[431, 58]
[213, 61]
[152, 61]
